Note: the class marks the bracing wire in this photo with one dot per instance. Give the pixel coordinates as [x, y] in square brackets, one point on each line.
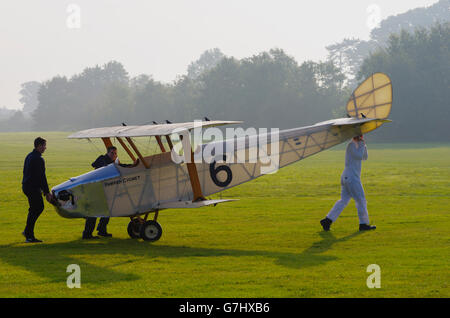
[95, 147]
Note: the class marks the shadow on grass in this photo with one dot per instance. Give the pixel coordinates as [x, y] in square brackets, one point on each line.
[312, 255]
[51, 260]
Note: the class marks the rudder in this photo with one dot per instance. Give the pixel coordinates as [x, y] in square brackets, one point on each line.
[372, 98]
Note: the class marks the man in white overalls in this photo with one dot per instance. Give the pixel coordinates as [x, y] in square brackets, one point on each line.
[351, 186]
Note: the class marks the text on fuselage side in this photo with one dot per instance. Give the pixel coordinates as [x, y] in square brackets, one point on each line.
[122, 181]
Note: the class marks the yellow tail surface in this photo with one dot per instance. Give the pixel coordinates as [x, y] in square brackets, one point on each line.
[371, 99]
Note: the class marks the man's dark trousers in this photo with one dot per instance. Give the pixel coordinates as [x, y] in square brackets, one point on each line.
[90, 225]
[36, 207]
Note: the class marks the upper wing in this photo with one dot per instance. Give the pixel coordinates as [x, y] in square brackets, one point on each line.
[147, 130]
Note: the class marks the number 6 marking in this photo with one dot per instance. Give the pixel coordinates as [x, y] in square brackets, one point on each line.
[213, 171]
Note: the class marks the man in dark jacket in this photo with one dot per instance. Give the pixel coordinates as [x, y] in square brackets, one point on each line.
[89, 226]
[34, 181]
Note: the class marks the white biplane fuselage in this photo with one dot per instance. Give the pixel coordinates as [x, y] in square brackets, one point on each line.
[159, 182]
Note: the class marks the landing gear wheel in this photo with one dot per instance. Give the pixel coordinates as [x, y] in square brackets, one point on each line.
[134, 229]
[151, 231]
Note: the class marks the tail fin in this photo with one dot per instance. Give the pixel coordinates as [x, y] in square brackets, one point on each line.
[372, 98]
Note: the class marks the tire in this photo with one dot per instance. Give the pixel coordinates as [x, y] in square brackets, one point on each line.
[134, 229]
[151, 231]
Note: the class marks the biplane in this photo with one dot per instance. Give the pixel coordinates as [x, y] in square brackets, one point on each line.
[158, 182]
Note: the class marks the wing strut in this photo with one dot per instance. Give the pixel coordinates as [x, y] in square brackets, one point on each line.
[137, 152]
[126, 149]
[192, 168]
[169, 142]
[161, 146]
[107, 142]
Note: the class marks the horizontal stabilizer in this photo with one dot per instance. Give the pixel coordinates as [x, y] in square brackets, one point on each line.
[351, 121]
[366, 124]
[191, 205]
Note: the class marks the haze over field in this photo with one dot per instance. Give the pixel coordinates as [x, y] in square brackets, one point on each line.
[70, 65]
[42, 39]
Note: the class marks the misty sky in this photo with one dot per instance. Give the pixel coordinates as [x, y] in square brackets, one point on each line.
[40, 39]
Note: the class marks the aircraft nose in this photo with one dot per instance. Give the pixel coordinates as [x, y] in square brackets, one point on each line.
[65, 196]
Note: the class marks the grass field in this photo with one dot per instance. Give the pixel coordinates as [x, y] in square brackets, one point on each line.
[268, 244]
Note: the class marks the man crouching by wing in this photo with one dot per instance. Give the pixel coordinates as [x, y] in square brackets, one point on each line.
[101, 161]
[351, 186]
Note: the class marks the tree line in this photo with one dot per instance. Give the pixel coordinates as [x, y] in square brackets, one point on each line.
[419, 66]
[350, 53]
[269, 89]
